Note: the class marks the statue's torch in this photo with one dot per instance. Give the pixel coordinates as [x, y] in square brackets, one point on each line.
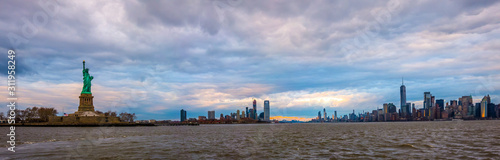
[83, 64]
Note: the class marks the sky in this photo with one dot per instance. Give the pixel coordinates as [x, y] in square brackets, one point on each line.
[154, 58]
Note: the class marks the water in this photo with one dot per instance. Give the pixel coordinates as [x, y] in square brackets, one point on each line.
[398, 140]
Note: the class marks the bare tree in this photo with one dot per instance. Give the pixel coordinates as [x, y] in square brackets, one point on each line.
[127, 117]
[110, 114]
[45, 113]
[21, 115]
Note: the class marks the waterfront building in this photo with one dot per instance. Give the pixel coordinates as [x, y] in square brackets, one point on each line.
[386, 108]
[471, 111]
[408, 109]
[211, 115]
[252, 114]
[335, 115]
[391, 108]
[498, 110]
[381, 115]
[433, 101]
[491, 110]
[466, 102]
[440, 103]
[324, 115]
[202, 118]
[261, 116]
[319, 116]
[254, 109]
[478, 110]
[248, 113]
[484, 106]
[238, 114]
[266, 110]
[183, 115]
[427, 100]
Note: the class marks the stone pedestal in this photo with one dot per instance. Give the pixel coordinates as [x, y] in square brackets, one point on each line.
[86, 102]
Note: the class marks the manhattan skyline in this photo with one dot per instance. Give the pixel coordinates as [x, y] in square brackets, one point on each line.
[220, 55]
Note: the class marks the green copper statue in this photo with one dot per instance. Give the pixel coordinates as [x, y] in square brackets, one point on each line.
[86, 80]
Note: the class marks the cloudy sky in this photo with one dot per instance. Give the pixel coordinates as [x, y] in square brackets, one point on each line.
[154, 58]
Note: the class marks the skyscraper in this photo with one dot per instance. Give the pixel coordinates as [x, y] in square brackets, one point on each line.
[427, 100]
[211, 115]
[335, 115]
[266, 110]
[324, 114]
[440, 102]
[183, 115]
[391, 108]
[319, 116]
[408, 108]
[466, 102]
[386, 109]
[402, 92]
[254, 109]
[238, 114]
[248, 114]
[252, 114]
[484, 106]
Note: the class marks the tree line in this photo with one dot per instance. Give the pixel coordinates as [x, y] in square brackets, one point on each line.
[35, 114]
[42, 114]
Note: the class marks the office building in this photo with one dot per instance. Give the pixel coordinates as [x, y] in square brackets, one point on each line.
[248, 113]
[202, 118]
[324, 114]
[335, 115]
[252, 114]
[465, 102]
[183, 115]
[319, 116]
[254, 109]
[402, 93]
[211, 115]
[386, 108]
[238, 114]
[484, 106]
[427, 100]
[440, 104]
[392, 108]
[492, 110]
[478, 110]
[266, 110]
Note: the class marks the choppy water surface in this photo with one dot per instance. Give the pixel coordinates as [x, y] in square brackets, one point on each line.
[399, 140]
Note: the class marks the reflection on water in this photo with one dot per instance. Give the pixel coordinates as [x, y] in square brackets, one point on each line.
[399, 140]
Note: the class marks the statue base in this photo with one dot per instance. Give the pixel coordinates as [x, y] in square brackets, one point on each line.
[86, 102]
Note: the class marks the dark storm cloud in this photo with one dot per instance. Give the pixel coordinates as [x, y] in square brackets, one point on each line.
[205, 55]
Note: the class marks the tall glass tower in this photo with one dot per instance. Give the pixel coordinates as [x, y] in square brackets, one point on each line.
[183, 115]
[266, 110]
[402, 92]
[254, 109]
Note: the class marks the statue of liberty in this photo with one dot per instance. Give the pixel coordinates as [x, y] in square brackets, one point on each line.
[86, 80]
